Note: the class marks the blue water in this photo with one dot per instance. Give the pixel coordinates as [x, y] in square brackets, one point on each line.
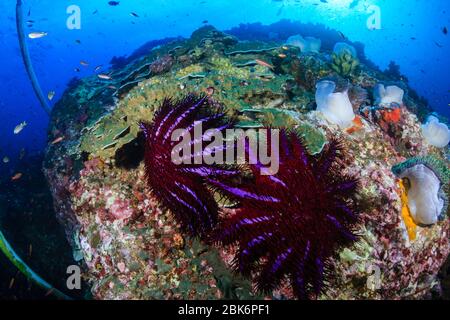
[411, 34]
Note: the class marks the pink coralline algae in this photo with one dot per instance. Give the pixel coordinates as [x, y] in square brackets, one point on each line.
[118, 208]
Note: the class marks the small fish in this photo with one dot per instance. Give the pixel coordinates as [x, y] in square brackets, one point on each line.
[57, 140]
[282, 55]
[413, 38]
[20, 127]
[444, 30]
[205, 21]
[114, 3]
[5, 159]
[11, 283]
[280, 11]
[285, 48]
[104, 76]
[342, 35]
[16, 177]
[84, 63]
[37, 35]
[76, 69]
[51, 95]
[438, 44]
[95, 12]
[97, 68]
[263, 63]
[134, 14]
[112, 87]
[353, 4]
[78, 41]
[30, 250]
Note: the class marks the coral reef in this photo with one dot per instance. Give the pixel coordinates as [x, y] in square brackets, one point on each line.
[131, 246]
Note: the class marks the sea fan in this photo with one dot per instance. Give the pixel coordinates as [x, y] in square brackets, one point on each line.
[180, 187]
[290, 224]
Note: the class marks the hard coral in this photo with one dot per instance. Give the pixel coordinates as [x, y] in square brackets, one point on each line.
[180, 187]
[291, 223]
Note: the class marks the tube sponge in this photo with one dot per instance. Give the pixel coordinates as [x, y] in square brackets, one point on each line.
[335, 106]
[308, 44]
[428, 182]
[436, 133]
[388, 95]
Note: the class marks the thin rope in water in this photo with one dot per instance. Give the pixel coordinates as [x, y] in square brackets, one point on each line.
[12, 256]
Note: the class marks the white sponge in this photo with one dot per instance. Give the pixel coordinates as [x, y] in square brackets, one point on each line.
[388, 95]
[336, 107]
[307, 44]
[424, 201]
[436, 133]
